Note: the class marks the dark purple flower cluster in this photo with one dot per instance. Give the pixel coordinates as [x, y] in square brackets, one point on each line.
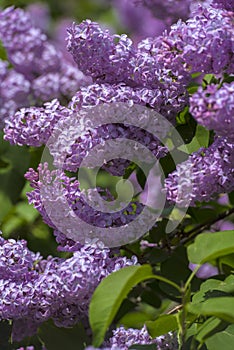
[207, 172]
[214, 108]
[33, 289]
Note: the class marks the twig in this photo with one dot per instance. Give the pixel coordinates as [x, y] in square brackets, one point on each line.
[200, 228]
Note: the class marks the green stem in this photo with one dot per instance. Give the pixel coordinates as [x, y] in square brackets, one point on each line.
[163, 279]
[189, 280]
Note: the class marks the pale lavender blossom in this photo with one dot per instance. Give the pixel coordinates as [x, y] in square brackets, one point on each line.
[33, 290]
[204, 43]
[214, 108]
[56, 181]
[206, 173]
[123, 339]
[205, 271]
[99, 54]
[33, 125]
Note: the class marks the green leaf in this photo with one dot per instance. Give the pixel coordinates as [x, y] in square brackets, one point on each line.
[210, 327]
[201, 139]
[228, 260]
[182, 117]
[3, 53]
[175, 268]
[56, 338]
[231, 197]
[220, 307]
[110, 294]
[208, 78]
[14, 162]
[208, 247]
[26, 211]
[135, 319]
[222, 340]
[5, 331]
[162, 325]
[5, 205]
[214, 288]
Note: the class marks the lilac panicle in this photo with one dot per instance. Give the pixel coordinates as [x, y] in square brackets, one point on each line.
[204, 43]
[40, 15]
[123, 339]
[214, 108]
[56, 181]
[32, 289]
[166, 101]
[98, 54]
[22, 41]
[209, 171]
[33, 125]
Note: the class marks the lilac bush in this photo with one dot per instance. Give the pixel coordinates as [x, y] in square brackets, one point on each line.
[185, 73]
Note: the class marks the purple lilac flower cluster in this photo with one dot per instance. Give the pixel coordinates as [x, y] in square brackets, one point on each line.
[33, 289]
[171, 11]
[207, 172]
[56, 182]
[97, 54]
[123, 339]
[204, 43]
[40, 72]
[33, 126]
[214, 108]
